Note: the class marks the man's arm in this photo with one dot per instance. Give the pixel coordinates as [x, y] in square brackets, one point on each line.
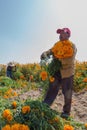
[46, 53]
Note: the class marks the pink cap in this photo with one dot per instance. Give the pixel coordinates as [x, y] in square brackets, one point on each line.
[66, 30]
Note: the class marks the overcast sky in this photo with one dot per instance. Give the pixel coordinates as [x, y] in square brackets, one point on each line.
[28, 27]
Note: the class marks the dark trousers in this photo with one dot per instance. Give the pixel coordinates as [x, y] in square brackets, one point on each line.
[9, 74]
[67, 87]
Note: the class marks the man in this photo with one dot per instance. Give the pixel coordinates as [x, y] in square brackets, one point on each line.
[65, 51]
[11, 67]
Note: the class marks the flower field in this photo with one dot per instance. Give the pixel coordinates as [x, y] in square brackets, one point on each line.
[31, 114]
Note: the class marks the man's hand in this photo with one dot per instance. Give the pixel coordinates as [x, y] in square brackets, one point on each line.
[43, 55]
[46, 54]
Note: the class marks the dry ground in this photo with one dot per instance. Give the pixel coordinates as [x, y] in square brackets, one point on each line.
[79, 103]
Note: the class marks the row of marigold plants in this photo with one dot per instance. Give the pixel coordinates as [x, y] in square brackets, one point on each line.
[35, 73]
[34, 115]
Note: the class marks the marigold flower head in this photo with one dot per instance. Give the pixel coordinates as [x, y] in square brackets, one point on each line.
[86, 125]
[56, 119]
[68, 127]
[24, 127]
[85, 80]
[22, 77]
[31, 77]
[14, 104]
[15, 94]
[15, 126]
[43, 75]
[6, 112]
[5, 96]
[25, 109]
[7, 115]
[51, 79]
[6, 127]
[9, 118]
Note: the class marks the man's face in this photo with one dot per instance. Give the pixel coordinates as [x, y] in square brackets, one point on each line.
[63, 36]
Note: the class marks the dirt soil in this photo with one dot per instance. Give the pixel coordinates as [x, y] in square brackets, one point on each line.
[79, 103]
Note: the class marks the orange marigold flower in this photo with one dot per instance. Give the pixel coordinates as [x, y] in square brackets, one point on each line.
[22, 77]
[25, 109]
[14, 104]
[51, 79]
[6, 112]
[56, 119]
[19, 127]
[9, 118]
[31, 77]
[15, 94]
[5, 96]
[6, 127]
[85, 80]
[24, 127]
[15, 126]
[43, 75]
[7, 115]
[68, 127]
[86, 125]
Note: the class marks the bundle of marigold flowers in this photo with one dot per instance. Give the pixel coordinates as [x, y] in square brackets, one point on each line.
[62, 49]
